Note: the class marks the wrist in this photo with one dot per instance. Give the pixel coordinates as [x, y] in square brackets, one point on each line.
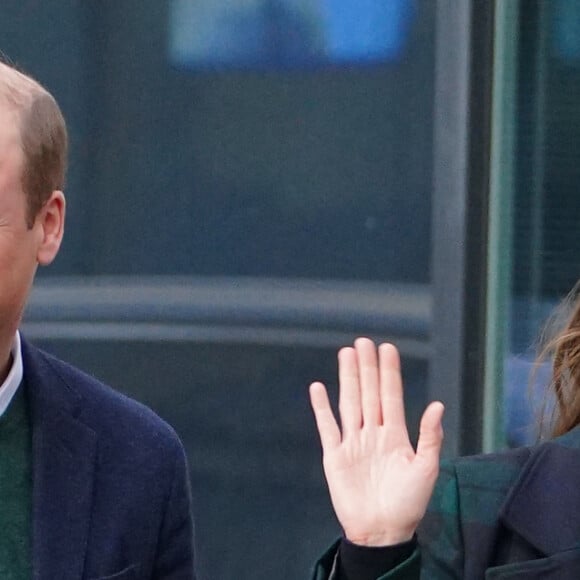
[380, 539]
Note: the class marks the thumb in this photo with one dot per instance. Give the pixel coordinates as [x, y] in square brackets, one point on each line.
[431, 434]
[325, 421]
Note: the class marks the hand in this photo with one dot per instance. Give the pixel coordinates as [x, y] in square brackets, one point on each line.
[379, 485]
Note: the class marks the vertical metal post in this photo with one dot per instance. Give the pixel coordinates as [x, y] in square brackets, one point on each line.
[539, 160]
[463, 70]
[500, 259]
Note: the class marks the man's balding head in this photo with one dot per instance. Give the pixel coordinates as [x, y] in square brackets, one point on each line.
[43, 136]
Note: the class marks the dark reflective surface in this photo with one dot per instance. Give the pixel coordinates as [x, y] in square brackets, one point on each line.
[321, 173]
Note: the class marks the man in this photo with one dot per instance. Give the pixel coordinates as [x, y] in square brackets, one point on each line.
[92, 484]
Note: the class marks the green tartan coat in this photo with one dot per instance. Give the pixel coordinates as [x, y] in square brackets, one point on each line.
[509, 516]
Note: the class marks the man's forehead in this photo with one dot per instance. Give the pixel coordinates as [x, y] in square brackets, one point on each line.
[17, 91]
[10, 142]
[9, 119]
[16, 81]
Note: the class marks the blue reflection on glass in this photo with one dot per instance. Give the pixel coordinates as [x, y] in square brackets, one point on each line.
[367, 29]
[566, 29]
[288, 33]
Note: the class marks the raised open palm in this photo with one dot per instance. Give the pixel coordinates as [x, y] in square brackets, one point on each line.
[379, 485]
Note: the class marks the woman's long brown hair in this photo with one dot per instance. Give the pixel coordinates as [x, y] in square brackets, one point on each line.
[564, 350]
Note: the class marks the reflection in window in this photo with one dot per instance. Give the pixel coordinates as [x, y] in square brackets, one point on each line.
[287, 33]
[566, 29]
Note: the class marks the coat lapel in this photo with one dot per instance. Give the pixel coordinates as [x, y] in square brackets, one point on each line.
[63, 455]
[544, 505]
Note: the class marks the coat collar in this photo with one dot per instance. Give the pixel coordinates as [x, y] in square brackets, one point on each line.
[543, 506]
[63, 455]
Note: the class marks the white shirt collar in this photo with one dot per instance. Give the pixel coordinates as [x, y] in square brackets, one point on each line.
[10, 385]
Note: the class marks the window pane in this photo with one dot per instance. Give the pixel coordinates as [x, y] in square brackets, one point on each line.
[287, 33]
[546, 204]
[309, 173]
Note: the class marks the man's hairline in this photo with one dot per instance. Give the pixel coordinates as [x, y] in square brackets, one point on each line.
[25, 87]
[18, 111]
[27, 91]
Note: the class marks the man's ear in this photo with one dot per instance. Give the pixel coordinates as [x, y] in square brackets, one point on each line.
[50, 225]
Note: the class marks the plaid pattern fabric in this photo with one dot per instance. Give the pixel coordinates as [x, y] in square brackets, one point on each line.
[506, 516]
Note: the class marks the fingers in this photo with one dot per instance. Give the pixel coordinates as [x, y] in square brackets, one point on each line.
[368, 370]
[349, 397]
[325, 421]
[391, 391]
[371, 390]
[431, 434]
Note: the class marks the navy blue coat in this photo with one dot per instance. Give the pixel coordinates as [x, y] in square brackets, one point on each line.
[111, 496]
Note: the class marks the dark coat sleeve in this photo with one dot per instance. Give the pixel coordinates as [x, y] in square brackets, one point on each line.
[175, 558]
[440, 534]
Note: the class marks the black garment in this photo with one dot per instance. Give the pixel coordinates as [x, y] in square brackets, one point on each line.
[362, 563]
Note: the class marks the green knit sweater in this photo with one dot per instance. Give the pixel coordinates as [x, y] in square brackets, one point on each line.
[15, 490]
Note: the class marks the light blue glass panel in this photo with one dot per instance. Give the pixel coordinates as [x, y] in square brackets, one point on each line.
[209, 34]
[566, 29]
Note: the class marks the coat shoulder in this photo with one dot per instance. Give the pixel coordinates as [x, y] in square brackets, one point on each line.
[493, 471]
[484, 481]
[473, 489]
[115, 417]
